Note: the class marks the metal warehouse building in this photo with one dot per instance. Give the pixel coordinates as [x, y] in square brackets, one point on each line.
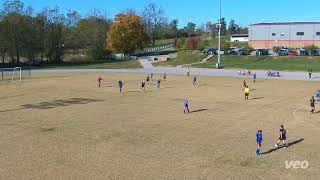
[289, 34]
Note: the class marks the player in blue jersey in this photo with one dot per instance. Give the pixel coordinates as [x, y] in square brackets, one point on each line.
[186, 106]
[120, 84]
[259, 142]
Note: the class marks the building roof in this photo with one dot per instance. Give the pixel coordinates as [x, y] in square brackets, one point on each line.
[240, 35]
[286, 23]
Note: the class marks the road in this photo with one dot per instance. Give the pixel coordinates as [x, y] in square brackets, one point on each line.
[148, 68]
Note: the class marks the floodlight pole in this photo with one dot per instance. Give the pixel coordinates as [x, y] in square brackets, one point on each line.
[218, 65]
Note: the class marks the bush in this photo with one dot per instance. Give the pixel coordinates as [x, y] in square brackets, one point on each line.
[311, 48]
[225, 46]
[276, 49]
[248, 49]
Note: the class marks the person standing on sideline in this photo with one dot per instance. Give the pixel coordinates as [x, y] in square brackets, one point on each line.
[318, 95]
[188, 72]
[164, 77]
[186, 106]
[282, 137]
[151, 76]
[254, 77]
[143, 85]
[312, 105]
[120, 84]
[246, 93]
[310, 73]
[258, 142]
[158, 83]
[99, 80]
[194, 82]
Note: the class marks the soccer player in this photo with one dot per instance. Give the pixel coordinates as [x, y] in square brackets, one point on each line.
[194, 82]
[310, 73]
[99, 80]
[164, 77]
[312, 102]
[188, 72]
[143, 85]
[186, 106]
[148, 79]
[259, 142]
[244, 83]
[120, 84]
[318, 95]
[282, 137]
[151, 76]
[246, 93]
[158, 83]
[254, 77]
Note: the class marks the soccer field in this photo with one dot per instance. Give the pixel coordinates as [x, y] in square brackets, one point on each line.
[64, 127]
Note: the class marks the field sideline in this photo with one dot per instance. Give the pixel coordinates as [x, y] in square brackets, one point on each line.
[64, 127]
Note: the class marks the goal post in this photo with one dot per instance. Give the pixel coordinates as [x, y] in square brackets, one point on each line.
[11, 74]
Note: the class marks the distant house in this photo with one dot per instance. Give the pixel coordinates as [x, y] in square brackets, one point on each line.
[239, 38]
[284, 34]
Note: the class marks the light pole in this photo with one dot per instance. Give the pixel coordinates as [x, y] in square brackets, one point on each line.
[218, 65]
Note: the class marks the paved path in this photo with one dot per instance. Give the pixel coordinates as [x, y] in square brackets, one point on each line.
[183, 71]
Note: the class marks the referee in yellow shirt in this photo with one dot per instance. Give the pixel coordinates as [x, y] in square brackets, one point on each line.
[246, 93]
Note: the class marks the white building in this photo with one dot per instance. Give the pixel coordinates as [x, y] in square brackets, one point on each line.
[239, 38]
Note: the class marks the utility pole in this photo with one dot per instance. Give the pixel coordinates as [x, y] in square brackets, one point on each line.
[218, 65]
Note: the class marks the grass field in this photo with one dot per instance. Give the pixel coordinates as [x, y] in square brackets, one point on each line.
[129, 64]
[64, 127]
[276, 63]
[183, 57]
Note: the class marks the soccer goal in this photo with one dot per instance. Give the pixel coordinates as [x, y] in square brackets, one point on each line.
[11, 74]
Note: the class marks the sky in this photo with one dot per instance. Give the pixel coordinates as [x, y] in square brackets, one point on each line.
[245, 12]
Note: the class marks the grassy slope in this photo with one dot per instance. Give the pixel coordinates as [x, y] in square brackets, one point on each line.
[276, 63]
[131, 64]
[184, 57]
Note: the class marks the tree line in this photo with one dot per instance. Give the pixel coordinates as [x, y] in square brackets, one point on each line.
[49, 35]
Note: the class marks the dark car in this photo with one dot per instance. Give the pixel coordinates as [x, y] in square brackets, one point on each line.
[262, 52]
[211, 51]
[314, 53]
[304, 52]
[283, 52]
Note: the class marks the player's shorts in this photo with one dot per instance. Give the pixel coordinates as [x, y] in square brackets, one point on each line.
[259, 142]
[283, 138]
[246, 94]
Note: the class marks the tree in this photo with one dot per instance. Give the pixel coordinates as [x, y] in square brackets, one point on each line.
[93, 33]
[174, 27]
[127, 34]
[233, 27]
[212, 29]
[223, 26]
[153, 17]
[191, 27]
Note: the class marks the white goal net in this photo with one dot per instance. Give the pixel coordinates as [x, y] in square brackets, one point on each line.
[11, 74]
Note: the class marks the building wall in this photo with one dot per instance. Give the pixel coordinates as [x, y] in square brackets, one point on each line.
[240, 39]
[269, 35]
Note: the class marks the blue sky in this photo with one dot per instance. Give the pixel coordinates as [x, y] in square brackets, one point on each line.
[199, 11]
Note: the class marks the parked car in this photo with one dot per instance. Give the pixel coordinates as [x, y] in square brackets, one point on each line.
[262, 52]
[236, 52]
[212, 51]
[304, 52]
[292, 53]
[314, 53]
[283, 52]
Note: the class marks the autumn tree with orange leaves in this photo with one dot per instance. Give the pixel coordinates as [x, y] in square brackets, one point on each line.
[127, 34]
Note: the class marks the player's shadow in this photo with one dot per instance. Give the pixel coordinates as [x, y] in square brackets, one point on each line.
[257, 98]
[54, 104]
[280, 147]
[199, 110]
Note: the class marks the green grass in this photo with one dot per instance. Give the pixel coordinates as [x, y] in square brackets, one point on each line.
[129, 64]
[266, 63]
[184, 57]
